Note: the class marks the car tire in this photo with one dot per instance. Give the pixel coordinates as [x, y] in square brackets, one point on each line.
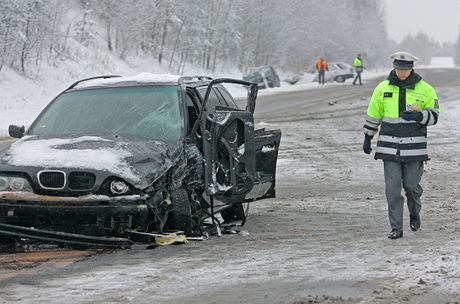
[181, 211]
[237, 212]
[340, 79]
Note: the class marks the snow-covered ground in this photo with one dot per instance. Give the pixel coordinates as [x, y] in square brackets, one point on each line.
[442, 62]
[305, 83]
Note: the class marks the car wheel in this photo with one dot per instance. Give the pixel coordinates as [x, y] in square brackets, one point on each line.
[181, 211]
[340, 79]
[237, 212]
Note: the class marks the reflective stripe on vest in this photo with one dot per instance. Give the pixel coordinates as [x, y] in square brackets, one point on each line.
[403, 140]
[418, 152]
[384, 150]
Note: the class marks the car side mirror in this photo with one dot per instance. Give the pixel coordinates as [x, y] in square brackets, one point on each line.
[16, 131]
[252, 96]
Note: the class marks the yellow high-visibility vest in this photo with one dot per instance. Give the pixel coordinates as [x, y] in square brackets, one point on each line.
[401, 140]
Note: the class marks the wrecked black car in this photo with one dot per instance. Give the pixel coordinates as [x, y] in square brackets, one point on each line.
[264, 76]
[112, 158]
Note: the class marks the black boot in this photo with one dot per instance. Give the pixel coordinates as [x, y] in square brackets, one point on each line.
[415, 223]
[395, 234]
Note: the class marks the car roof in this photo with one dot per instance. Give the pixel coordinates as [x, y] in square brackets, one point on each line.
[260, 67]
[139, 80]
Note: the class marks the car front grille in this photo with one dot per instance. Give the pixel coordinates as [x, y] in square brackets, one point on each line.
[81, 180]
[51, 179]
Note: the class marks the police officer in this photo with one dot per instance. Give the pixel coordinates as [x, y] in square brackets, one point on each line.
[403, 106]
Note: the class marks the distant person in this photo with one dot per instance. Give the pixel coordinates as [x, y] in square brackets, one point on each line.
[321, 67]
[403, 106]
[358, 63]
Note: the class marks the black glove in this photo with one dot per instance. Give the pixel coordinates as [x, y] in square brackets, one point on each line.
[367, 144]
[412, 116]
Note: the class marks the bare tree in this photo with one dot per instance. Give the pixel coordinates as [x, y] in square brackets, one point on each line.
[457, 50]
[421, 45]
[288, 34]
[83, 28]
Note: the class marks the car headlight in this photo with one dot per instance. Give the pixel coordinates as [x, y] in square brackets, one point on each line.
[14, 183]
[118, 187]
[17, 183]
[4, 183]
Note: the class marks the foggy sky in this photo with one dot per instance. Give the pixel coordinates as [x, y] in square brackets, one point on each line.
[440, 19]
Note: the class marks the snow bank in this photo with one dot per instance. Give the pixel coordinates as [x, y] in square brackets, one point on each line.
[442, 62]
[305, 83]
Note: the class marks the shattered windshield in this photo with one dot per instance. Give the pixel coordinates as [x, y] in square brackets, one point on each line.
[152, 112]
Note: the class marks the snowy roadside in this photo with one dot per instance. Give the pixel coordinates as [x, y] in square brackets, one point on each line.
[303, 85]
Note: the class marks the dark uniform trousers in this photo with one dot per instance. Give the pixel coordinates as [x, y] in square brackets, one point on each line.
[321, 76]
[407, 175]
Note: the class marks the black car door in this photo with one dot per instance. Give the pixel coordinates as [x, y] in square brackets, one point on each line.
[266, 146]
[228, 144]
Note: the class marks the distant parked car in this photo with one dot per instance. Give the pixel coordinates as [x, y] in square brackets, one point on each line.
[338, 72]
[264, 76]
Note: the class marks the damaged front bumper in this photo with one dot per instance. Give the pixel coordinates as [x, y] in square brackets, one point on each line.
[71, 239]
[75, 219]
[13, 203]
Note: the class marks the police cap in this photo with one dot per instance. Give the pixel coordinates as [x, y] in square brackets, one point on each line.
[403, 60]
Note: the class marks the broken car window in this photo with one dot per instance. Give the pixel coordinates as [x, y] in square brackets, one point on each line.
[151, 112]
[213, 100]
[227, 97]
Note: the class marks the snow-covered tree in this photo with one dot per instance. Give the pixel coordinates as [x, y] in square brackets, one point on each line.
[457, 50]
[9, 26]
[84, 28]
[421, 46]
[30, 31]
[208, 34]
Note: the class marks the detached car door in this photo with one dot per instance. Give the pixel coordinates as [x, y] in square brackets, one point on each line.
[266, 147]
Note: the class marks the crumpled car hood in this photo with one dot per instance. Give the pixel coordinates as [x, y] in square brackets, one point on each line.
[139, 161]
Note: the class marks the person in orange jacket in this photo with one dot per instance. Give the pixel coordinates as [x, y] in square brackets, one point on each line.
[321, 67]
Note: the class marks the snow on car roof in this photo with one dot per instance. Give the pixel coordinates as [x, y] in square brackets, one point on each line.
[141, 78]
[48, 154]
